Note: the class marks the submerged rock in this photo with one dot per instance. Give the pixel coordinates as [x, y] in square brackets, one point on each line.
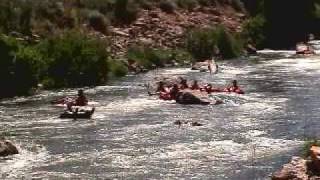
[7, 148]
[192, 97]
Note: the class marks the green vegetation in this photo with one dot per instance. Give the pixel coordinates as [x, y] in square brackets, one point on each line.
[168, 6]
[308, 145]
[67, 60]
[49, 42]
[98, 22]
[19, 67]
[204, 43]
[151, 58]
[254, 30]
[46, 16]
[118, 68]
[125, 11]
[75, 59]
[187, 4]
[281, 24]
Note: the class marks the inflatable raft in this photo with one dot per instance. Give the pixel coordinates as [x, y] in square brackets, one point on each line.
[77, 114]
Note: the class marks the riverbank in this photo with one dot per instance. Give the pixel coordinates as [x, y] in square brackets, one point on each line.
[299, 168]
[85, 49]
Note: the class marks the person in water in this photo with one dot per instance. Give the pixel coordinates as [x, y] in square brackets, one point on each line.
[235, 88]
[209, 89]
[174, 91]
[161, 87]
[209, 66]
[250, 48]
[195, 85]
[81, 100]
[184, 84]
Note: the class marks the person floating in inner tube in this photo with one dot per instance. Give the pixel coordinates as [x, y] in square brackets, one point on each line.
[161, 87]
[184, 84]
[210, 89]
[81, 100]
[234, 88]
[195, 85]
[250, 48]
[174, 91]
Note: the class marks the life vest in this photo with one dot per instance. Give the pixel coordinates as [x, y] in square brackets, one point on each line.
[165, 96]
[81, 101]
[234, 90]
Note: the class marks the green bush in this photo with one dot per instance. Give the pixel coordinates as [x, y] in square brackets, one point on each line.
[205, 2]
[308, 145]
[201, 43]
[181, 56]
[187, 4]
[103, 6]
[19, 67]
[238, 5]
[168, 6]
[125, 11]
[75, 59]
[145, 4]
[118, 69]
[98, 22]
[229, 46]
[253, 30]
[151, 58]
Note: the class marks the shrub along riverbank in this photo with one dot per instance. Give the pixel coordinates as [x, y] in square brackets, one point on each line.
[67, 44]
[74, 58]
[70, 59]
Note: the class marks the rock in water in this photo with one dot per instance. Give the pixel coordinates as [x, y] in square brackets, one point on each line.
[7, 148]
[296, 169]
[192, 97]
[314, 166]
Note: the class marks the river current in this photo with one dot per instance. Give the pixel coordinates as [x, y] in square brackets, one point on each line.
[132, 135]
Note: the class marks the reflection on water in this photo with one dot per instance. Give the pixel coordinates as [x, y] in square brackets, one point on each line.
[132, 135]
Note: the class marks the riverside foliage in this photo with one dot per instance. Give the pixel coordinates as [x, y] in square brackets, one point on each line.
[48, 42]
[203, 44]
[281, 24]
[67, 60]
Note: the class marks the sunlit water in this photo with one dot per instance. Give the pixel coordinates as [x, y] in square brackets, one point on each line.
[132, 135]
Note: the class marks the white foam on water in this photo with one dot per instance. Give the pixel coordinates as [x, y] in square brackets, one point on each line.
[132, 105]
[299, 65]
[176, 71]
[20, 165]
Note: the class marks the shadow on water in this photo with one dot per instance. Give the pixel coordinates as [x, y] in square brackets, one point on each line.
[132, 135]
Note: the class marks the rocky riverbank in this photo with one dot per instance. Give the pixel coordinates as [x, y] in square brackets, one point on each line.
[301, 169]
[167, 30]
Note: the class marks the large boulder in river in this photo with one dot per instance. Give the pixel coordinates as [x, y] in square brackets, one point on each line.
[7, 148]
[296, 169]
[301, 169]
[192, 97]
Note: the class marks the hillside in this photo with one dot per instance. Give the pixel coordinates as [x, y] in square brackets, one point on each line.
[75, 43]
[159, 23]
[168, 30]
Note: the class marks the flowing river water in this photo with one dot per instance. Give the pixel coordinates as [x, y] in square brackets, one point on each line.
[132, 135]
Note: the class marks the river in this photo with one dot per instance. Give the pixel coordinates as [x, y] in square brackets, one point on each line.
[132, 135]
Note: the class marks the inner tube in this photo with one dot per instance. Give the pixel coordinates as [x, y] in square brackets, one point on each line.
[82, 114]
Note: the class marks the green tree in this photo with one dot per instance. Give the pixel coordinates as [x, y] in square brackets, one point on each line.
[75, 59]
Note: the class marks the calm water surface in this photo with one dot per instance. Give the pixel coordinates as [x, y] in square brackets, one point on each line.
[132, 135]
